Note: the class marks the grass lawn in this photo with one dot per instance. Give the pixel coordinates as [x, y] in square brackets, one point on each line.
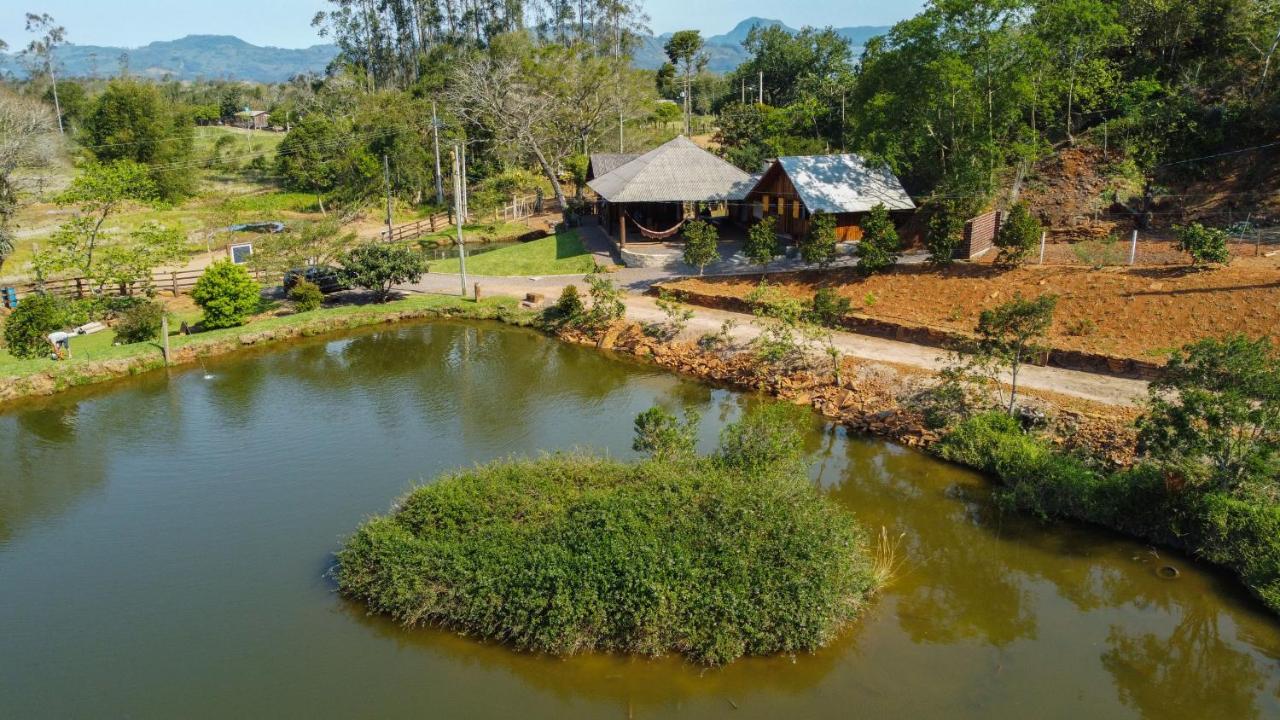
[476, 233]
[99, 346]
[561, 254]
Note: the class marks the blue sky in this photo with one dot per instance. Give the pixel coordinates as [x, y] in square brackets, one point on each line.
[287, 23]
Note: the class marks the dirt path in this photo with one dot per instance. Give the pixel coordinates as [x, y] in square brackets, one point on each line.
[1087, 386]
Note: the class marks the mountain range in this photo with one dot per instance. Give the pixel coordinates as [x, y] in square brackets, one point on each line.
[225, 57]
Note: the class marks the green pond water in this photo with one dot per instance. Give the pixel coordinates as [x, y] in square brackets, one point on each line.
[164, 543]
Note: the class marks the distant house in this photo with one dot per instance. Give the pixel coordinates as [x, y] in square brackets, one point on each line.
[253, 119]
[793, 188]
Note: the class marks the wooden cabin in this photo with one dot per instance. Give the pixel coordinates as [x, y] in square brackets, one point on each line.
[793, 188]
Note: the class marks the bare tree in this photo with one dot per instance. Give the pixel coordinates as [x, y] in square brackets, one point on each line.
[26, 140]
[493, 91]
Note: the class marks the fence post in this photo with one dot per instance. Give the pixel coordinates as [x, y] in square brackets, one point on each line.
[164, 336]
[173, 282]
[79, 289]
[1043, 235]
[1133, 248]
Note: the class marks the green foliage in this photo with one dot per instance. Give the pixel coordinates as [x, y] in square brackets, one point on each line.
[140, 323]
[1213, 416]
[943, 232]
[27, 328]
[828, 308]
[1019, 235]
[662, 436]
[700, 244]
[227, 294]
[766, 441]
[575, 553]
[306, 296]
[879, 248]
[1203, 244]
[818, 246]
[569, 306]
[778, 344]
[676, 312]
[1009, 335]
[1145, 501]
[762, 244]
[131, 121]
[607, 307]
[306, 244]
[380, 267]
[307, 159]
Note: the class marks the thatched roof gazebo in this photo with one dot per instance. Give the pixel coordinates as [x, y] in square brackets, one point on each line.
[660, 186]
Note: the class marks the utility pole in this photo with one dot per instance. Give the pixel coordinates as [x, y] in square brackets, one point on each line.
[466, 201]
[435, 134]
[842, 125]
[386, 183]
[743, 93]
[761, 87]
[457, 214]
[57, 106]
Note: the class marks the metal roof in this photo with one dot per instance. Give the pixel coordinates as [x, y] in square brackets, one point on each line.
[605, 163]
[678, 171]
[844, 184]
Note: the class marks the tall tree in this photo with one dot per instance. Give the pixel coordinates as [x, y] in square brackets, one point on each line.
[49, 35]
[685, 50]
[131, 121]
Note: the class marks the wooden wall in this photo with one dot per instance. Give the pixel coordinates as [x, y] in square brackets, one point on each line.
[778, 196]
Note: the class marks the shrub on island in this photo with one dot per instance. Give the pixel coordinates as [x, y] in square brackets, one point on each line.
[713, 557]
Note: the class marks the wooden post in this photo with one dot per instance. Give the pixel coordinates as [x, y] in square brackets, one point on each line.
[1043, 235]
[173, 282]
[79, 288]
[164, 336]
[622, 228]
[1133, 248]
[477, 289]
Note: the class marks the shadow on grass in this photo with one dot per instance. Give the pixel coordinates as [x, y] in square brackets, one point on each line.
[569, 244]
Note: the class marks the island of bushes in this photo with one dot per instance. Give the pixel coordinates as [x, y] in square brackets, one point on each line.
[712, 557]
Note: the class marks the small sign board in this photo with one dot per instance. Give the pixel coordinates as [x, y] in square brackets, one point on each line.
[241, 252]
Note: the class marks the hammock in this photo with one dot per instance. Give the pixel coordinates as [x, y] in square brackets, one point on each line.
[654, 234]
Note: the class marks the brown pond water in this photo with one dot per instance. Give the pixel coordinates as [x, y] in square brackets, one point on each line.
[164, 542]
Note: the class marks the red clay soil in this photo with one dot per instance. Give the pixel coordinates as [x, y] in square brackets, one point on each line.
[1141, 313]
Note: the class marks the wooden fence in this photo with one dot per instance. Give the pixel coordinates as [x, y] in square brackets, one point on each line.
[178, 282]
[517, 209]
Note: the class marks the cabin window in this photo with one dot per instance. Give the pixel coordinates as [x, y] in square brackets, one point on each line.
[782, 206]
[795, 209]
[764, 203]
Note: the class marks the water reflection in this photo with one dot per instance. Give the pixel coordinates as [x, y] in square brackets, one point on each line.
[216, 504]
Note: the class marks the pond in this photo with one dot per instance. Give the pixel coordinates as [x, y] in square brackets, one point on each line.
[164, 543]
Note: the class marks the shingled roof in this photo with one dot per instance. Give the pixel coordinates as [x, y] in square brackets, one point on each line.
[678, 171]
[843, 184]
[605, 163]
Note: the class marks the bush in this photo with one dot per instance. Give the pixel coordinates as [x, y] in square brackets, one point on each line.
[1018, 236]
[1203, 244]
[227, 294]
[701, 244]
[878, 249]
[577, 553]
[26, 331]
[306, 296]
[380, 267]
[818, 247]
[762, 244]
[140, 323]
[606, 304]
[944, 231]
[828, 308]
[569, 306]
